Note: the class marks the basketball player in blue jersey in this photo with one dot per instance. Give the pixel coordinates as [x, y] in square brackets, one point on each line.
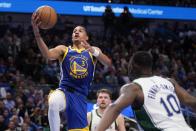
[77, 70]
[156, 100]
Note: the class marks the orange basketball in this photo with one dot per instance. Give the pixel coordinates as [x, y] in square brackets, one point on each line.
[48, 16]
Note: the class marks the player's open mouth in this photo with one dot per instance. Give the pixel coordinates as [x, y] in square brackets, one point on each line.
[76, 35]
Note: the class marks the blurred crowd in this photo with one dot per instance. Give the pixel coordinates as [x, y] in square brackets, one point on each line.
[26, 77]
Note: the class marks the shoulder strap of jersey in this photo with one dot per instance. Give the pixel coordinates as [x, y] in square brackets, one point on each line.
[94, 60]
[116, 125]
[171, 81]
[65, 53]
[91, 121]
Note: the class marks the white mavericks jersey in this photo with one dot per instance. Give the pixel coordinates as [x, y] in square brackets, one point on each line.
[161, 108]
[95, 119]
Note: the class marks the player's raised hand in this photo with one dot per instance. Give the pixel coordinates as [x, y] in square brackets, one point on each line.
[94, 50]
[87, 46]
[35, 22]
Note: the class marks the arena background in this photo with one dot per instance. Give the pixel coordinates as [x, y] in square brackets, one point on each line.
[166, 28]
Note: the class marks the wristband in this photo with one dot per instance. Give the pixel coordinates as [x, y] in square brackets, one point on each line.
[96, 52]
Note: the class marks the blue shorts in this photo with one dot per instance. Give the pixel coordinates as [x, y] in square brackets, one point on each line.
[76, 110]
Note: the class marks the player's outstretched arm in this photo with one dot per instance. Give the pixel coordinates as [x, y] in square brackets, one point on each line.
[97, 53]
[127, 96]
[54, 53]
[184, 96]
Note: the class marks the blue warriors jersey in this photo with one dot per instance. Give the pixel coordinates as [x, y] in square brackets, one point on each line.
[77, 70]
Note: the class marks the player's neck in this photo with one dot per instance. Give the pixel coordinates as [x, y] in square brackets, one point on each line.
[77, 46]
[100, 111]
[146, 73]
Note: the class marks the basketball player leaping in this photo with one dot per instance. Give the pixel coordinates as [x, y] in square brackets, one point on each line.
[156, 100]
[77, 70]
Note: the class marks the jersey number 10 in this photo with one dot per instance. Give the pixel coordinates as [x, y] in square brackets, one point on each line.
[172, 102]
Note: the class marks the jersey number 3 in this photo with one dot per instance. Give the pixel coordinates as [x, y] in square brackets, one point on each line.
[170, 105]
